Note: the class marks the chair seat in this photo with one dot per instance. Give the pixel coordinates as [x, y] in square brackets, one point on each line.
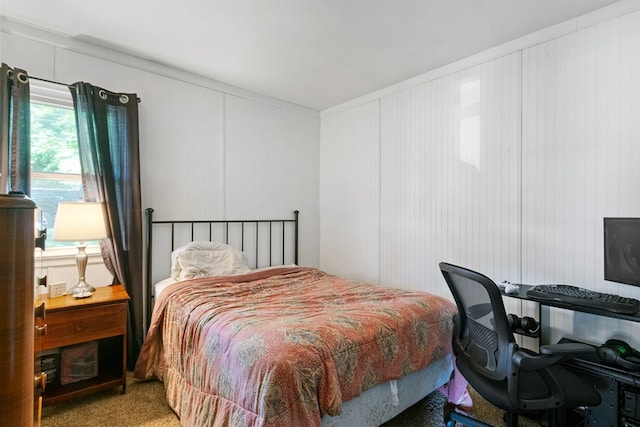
[532, 386]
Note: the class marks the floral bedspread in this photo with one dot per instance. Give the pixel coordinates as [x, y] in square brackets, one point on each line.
[283, 347]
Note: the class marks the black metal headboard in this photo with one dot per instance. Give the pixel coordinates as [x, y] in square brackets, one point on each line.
[266, 242]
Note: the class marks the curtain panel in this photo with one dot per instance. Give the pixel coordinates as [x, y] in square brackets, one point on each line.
[107, 125]
[15, 129]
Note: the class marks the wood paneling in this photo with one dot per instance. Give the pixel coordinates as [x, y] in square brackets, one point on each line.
[581, 104]
[350, 193]
[451, 176]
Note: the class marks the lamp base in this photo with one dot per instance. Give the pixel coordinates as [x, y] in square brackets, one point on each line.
[82, 290]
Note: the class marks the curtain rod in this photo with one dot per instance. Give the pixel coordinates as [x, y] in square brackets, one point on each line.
[65, 84]
[51, 81]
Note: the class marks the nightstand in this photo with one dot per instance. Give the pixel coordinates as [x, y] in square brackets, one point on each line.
[101, 318]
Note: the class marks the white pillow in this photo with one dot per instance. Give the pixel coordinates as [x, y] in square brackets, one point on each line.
[206, 259]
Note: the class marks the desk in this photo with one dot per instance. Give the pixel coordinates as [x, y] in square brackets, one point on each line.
[620, 390]
[522, 294]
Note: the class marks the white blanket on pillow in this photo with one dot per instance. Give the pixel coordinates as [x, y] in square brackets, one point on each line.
[206, 259]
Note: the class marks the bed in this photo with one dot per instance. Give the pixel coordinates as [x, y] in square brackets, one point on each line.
[241, 335]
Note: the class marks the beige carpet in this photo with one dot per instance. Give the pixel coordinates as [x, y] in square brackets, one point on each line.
[144, 405]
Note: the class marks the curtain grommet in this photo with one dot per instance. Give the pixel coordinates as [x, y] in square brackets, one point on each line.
[124, 98]
[22, 77]
[102, 94]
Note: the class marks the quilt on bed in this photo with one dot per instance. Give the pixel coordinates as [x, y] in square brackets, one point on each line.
[283, 347]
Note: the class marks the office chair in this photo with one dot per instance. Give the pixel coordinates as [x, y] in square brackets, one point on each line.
[516, 380]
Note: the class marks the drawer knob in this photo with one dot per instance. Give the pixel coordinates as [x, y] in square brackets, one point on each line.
[39, 311]
[40, 382]
[80, 326]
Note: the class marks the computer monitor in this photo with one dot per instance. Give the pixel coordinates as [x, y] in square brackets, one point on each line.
[622, 250]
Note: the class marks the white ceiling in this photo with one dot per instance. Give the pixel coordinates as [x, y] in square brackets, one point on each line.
[315, 53]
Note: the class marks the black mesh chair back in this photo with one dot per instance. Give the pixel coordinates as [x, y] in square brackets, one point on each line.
[487, 355]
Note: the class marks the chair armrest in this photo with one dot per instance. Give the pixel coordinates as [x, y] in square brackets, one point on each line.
[534, 362]
[567, 349]
[549, 355]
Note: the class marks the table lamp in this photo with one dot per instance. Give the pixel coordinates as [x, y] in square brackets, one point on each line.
[80, 222]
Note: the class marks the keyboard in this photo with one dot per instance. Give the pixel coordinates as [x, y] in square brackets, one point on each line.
[570, 294]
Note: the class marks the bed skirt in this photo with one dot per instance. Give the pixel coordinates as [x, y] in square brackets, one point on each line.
[375, 406]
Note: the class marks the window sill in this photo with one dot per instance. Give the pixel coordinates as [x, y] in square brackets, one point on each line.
[66, 252]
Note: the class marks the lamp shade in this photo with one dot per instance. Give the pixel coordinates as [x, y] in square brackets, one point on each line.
[79, 222]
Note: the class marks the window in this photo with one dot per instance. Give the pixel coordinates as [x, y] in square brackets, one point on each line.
[55, 162]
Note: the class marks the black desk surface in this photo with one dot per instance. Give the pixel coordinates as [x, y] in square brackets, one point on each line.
[522, 294]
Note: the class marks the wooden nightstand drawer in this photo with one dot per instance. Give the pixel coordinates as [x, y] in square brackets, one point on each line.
[84, 324]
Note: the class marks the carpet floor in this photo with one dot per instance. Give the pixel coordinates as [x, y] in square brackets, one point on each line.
[144, 405]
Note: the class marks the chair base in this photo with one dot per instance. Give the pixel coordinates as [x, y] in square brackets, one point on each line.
[554, 418]
[451, 419]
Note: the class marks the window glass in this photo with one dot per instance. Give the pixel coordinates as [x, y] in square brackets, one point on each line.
[55, 162]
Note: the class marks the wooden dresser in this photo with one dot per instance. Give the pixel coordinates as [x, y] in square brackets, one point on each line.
[101, 318]
[17, 323]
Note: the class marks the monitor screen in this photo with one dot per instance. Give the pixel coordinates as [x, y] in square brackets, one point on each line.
[622, 250]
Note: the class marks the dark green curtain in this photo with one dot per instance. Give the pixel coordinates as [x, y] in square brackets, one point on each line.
[107, 125]
[15, 124]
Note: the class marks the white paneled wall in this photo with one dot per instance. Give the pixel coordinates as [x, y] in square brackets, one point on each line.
[439, 166]
[350, 193]
[507, 167]
[182, 155]
[271, 166]
[581, 150]
[450, 176]
[181, 135]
